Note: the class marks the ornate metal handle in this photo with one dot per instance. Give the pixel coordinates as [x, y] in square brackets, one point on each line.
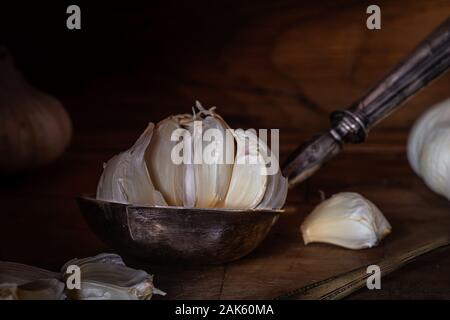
[428, 61]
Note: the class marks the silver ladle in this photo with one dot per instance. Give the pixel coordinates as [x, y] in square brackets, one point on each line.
[213, 236]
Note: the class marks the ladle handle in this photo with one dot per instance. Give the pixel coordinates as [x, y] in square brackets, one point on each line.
[429, 60]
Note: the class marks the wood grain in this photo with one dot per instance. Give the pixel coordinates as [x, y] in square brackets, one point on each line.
[266, 64]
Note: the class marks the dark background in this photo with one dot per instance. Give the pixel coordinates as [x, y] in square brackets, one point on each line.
[265, 64]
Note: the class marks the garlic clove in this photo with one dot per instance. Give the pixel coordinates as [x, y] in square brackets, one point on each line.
[167, 176]
[249, 178]
[277, 185]
[125, 177]
[276, 192]
[213, 175]
[106, 277]
[348, 220]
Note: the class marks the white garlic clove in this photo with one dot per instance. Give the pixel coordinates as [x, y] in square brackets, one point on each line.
[276, 192]
[277, 185]
[125, 177]
[348, 220]
[106, 277]
[213, 175]
[249, 178]
[167, 176]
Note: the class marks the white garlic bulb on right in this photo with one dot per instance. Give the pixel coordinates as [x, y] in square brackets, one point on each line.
[429, 148]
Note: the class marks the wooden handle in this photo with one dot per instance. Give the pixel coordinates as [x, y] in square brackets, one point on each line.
[340, 286]
[428, 61]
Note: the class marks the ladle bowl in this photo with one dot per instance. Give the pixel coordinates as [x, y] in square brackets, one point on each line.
[176, 234]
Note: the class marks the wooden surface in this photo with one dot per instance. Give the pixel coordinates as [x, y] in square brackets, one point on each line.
[283, 64]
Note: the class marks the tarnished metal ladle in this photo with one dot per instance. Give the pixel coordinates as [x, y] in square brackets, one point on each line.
[428, 61]
[212, 236]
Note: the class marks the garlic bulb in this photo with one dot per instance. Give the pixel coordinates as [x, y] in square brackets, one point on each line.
[35, 129]
[23, 282]
[106, 277]
[231, 173]
[348, 220]
[429, 148]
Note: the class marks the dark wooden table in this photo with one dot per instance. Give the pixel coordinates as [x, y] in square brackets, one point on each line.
[283, 65]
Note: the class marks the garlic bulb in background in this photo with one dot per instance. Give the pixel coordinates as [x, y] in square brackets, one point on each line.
[429, 148]
[106, 277]
[348, 220]
[147, 175]
[35, 129]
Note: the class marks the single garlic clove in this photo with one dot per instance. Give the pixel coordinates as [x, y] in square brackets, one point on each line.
[249, 178]
[276, 192]
[277, 185]
[125, 177]
[167, 176]
[213, 175]
[348, 220]
[106, 277]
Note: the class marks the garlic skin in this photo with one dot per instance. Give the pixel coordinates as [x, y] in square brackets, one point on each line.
[35, 129]
[348, 220]
[146, 174]
[22, 282]
[125, 177]
[106, 277]
[429, 148]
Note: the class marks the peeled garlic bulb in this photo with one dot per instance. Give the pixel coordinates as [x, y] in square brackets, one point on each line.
[35, 129]
[106, 277]
[348, 220]
[232, 172]
[429, 148]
